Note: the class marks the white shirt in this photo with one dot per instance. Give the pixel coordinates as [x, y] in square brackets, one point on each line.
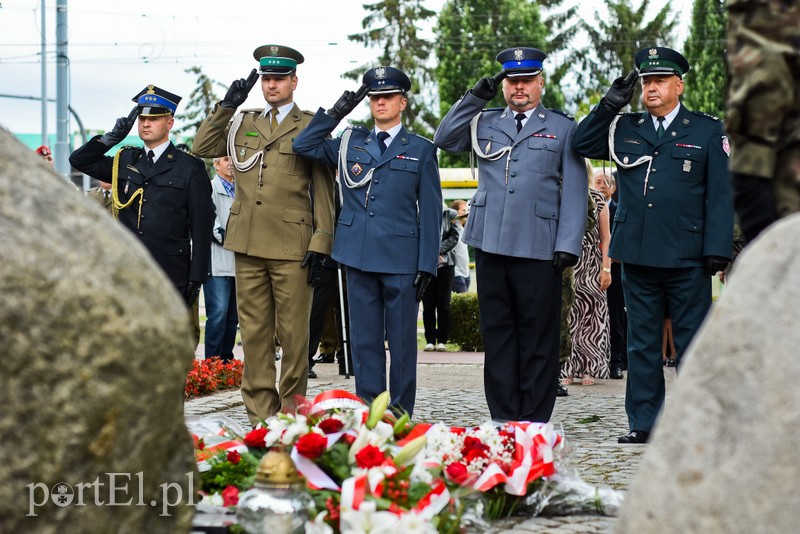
[158, 150]
[283, 111]
[393, 131]
[668, 118]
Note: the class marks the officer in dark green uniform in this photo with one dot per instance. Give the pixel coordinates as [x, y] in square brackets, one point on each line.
[673, 228]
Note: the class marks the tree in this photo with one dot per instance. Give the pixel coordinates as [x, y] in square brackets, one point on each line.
[470, 33]
[562, 27]
[614, 43]
[393, 25]
[705, 51]
[201, 102]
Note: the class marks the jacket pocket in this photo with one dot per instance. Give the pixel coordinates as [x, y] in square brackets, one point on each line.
[296, 231]
[690, 244]
[233, 220]
[545, 226]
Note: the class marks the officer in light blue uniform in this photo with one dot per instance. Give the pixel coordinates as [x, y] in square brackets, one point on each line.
[388, 231]
[673, 227]
[526, 224]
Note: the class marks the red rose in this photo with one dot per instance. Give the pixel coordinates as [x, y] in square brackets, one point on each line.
[457, 472]
[472, 443]
[474, 454]
[348, 439]
[369, 456]
[230, 496]
[234, 457]
[331, 425]
[255, 438]
[311, 445]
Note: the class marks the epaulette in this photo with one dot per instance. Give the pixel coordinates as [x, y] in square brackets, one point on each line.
[484, 110]
[190, 154]
[126, 147]
[706, 115]
[309, 113]
[563, 113]
[421, 137]
[358, 128]
[252, 110]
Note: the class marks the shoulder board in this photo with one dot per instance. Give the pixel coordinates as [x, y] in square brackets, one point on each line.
[190, 154]
[706, 115]
[491, 109]
[252, 110]
[564, 113]
[358, 128]
[130, 147]
[421, 137]
[308, 112]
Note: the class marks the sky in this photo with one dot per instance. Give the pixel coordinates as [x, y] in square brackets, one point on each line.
[116, 48]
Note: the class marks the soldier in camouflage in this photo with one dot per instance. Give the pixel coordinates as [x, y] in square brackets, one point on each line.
[763, 116]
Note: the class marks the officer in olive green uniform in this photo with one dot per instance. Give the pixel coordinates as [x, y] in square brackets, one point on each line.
[763, 115]
[280, 226]
[674, 225]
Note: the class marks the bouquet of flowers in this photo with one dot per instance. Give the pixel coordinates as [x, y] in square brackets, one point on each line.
[368, 469]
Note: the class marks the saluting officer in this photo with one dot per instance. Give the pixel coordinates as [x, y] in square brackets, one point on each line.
[673, 227]
[280, 226]
[388, 230]
[160, 193]
[526, 223]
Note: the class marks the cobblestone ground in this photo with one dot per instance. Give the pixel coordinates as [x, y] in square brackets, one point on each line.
[592, 418]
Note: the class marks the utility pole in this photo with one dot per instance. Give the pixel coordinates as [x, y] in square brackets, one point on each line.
[45, 140]
[62, 91]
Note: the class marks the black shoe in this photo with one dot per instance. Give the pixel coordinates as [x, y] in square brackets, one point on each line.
[616, 373]
[635, 436]
[324, 358]
[561, 390]
[312, 373]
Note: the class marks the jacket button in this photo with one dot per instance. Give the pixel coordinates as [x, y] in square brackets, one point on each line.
[511, 191]
[302, 219]
[371, 214]
[268, 148]
[263, 165]
[655, 153]
[650, 205]
[513, 175]
[375, 181]
[258, 202]
[653, 170]
[514, 158]
[372, 197]
[651, 188]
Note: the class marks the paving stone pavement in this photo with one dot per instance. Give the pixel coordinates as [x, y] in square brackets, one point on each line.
[450, 390]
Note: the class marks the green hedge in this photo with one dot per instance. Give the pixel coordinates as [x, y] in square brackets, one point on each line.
[465, 330]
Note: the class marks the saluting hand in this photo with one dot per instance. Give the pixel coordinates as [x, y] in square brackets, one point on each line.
[621, 92]
[486, 88]
[238, 91]
[348, 102]
[121, 128]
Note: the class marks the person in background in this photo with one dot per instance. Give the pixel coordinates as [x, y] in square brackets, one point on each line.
[526, 224]
[280, 226]
[461, 277]
[101, 194]
[161, 194]
[46, 154]
[388, 231]
[673, 229]
[436, 301]
[220, 288]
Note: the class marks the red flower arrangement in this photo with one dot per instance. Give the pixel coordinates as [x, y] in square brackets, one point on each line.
[211, 375]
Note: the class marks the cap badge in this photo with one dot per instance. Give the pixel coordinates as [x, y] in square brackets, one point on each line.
[380, 73]
[151, 89]
[273, 50]
[653, 53]
[519, 55]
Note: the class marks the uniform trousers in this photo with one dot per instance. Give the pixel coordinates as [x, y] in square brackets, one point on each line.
[273, 297]
[371, 298]
[617, 319]
[647, 290]
[520, 307]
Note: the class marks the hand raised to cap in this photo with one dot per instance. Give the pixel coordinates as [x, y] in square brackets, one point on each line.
[348, 102]
[621, 92]
[238, 91]
[486, 88]
[121, 128]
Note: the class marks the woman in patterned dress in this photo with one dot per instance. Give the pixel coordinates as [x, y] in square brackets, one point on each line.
[588, 317]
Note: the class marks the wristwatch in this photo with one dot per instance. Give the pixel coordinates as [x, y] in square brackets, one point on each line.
[606, 269]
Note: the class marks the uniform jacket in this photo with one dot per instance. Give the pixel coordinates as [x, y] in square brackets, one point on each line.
[96, 194]
[393, 224]
[177, 214]
[222, 261]
[542, 207]
[686, 211]
[288, 210]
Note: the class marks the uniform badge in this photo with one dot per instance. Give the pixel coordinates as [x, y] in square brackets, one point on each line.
[726, 146]
[356, 169]
[242, 151]
[273, 50]
[541, 115]
[641, 121]
[488, 147]
[674, 134]
[126, 188]
[685, 121]
[687, 165]
[519, 55]
[380, 73]
[653, 53]
[625, 160]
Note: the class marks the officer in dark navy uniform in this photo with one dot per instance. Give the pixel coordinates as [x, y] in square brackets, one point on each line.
[674, 224]
[388, 231]
[526, 224]
[160, 193]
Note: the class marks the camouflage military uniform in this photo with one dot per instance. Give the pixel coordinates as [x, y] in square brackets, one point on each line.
[763, 117]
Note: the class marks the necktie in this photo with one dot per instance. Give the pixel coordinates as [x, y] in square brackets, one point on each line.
[106, 194]
[660, 129]
[273, 122]
[150, 157]
[382, 137]
[519, 117]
